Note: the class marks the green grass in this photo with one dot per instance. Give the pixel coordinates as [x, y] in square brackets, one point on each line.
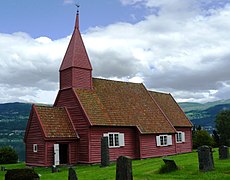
[146, 169]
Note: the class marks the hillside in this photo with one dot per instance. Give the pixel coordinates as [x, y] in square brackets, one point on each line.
[13, 120]
[204, 114]
[14, 117]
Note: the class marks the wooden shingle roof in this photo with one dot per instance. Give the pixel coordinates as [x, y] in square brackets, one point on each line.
[171, 109]
[55, 122]
[114, 103]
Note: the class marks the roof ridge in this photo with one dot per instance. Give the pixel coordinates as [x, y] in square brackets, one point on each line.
[48, 106]
[118, 81]
[159, 92]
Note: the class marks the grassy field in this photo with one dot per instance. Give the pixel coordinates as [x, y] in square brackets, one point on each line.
[142, 170]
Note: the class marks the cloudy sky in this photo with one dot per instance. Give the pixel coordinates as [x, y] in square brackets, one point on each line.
[176, 46]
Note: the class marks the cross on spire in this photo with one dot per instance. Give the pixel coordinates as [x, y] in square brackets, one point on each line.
[78, 6]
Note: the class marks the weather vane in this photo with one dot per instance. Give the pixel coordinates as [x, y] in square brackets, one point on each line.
[78, 6]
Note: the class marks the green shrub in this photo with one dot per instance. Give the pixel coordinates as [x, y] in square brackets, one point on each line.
[200, 138]
[23, 174]
[8, 155]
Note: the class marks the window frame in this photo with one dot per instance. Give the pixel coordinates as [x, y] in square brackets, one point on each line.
[117, 139]
[181, 139]
[163, 140]
[35, 148]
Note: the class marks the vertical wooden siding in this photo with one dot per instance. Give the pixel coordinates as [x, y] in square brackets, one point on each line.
[130, 149]
[187, 145]
[149, 147]
[68, 99]
[35, 137]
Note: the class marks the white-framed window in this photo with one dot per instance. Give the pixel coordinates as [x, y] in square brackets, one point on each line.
[35, 148]
[180, 137]
[115, 139]
[164, 140]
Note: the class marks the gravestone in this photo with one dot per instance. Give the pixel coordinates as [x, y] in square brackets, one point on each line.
[170, 165]
[21, 174]
[72, 174]
[3, 168]
[223, 152]
[104, 152]
[55, 169]
[124, 168]
[205, 157]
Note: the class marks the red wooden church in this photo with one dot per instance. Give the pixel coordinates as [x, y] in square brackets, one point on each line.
[139, 123]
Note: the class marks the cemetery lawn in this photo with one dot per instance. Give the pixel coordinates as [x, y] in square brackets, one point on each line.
[146, 169]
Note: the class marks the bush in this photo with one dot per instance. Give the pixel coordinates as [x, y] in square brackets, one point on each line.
[8, 155]
[201, 138]
[17, 174]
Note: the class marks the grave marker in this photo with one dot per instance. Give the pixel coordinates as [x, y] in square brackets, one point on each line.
[205, 157]
[124, 168]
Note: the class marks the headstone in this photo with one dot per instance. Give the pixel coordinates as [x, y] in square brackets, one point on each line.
[104, 152]
[171, 165]
[3, 168]
[21, 174]
[55, 169]
[205, 157]
[223, 152]
[124, 168]
[72, 174]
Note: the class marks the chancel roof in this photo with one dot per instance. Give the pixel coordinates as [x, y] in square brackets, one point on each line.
[171, 109]
[115, 103]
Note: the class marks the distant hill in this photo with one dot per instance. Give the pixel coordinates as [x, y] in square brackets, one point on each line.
[204, 114]
[189, 106]
[13, 120]
[14, 117]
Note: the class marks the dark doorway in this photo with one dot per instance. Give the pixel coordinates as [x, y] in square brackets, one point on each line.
[63, 153]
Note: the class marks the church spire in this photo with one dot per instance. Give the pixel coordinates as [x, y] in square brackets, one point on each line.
[76, 69]
[77, 17]
[77, 21]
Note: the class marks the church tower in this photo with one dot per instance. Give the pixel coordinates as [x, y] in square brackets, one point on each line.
[76, 70]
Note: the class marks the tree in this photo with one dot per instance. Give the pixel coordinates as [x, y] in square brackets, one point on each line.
[199, 128]
[216, 138]
[200, 138]
[223, 126]
[8, 155]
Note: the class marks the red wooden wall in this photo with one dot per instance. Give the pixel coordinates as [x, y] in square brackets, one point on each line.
[130, 149]
[76, 78]
[72, 152]
[66, 78]
[187, 145]
[68, 99]
[82, 78]
[35, 136]
[149, 148]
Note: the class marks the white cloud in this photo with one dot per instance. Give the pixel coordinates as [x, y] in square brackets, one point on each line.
[170, 53]
[179, 49]
[29, 65]
[68, 1]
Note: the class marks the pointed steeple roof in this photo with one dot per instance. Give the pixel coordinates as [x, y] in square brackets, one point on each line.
[76, 55]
